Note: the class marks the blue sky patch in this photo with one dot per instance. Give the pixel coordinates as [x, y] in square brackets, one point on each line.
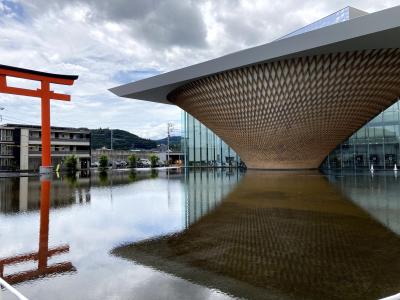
[12, 9]
[134, 75]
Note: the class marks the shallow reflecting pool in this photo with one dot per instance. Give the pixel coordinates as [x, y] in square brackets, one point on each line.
[216, 234]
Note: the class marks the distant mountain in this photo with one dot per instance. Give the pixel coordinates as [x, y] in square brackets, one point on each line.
[122, 140]
[172, 140]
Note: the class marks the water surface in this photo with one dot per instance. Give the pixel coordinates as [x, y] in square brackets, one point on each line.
[214, 234]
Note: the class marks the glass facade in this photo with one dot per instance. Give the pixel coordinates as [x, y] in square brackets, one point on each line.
[337, 17]
[205, 190]
[203, 148]
[377, 144]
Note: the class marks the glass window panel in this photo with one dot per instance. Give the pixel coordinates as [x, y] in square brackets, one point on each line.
[377, 119]
[371, 132]
[361, 134]
[379, 132]
[197, 142]
[394, 107]
[391, 116]
[361, 156]
[204, 145]
[376, 156]
[390, 131]
[337, 17]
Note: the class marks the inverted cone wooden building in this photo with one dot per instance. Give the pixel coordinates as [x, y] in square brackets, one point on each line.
[287, 104]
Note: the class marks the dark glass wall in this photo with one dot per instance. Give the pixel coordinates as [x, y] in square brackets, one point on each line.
[203, 148]
[377, 144]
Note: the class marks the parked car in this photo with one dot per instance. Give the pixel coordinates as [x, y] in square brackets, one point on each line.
[95, 164]
[120, 164]
[143, 163]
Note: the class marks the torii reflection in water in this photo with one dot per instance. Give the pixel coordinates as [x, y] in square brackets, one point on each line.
[44, 252]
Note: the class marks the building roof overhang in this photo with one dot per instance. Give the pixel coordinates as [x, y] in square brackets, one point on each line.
[373, 31]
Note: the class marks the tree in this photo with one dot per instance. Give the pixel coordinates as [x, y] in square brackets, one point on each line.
[71, 163]
[154, 173]
[154, 160]
[132, 159]
[132, 176]
[103, 176]
[71, 178]
[103, 162]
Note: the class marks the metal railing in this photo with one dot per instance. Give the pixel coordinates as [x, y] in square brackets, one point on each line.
[12, 290]
[62, 152]
[60, 139]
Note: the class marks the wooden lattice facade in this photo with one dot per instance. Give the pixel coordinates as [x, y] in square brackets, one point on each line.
[289, 114]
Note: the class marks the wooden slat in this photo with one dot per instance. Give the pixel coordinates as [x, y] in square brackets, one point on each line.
[291, 114]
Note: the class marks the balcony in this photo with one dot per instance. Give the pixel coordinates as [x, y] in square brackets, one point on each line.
[77, 152]
[35, 138]
[7, 139]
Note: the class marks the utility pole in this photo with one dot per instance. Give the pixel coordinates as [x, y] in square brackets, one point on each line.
[112, 147]
[169, 129]
[111, 139]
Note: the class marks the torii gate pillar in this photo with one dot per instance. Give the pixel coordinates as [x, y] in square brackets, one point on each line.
[45, 94]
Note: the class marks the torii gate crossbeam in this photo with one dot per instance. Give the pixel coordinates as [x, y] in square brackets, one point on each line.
[44, 93]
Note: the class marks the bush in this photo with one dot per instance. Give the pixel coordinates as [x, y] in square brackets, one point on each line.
[103, 176]
[132, 176]
[154, 160]
[70, 163]
[154, 173]
[103, 162]
[132, 160]
[71, 178]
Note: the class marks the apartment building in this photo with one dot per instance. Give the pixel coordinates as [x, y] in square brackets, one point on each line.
[21, 146]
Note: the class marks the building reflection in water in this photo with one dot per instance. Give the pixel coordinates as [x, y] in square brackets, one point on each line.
[205, 190]
[30, 194]
[278, 236]
[44, 253]
[379, 195]
[22, 194]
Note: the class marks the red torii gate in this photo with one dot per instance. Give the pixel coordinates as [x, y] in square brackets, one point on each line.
[44, 253]
[44, 93]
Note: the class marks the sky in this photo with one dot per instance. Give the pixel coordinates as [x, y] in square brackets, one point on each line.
[113, 42]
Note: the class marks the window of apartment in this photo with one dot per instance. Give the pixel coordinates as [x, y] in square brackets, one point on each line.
[34, 134]
[6, 162]
[6, 135]
[6, 149]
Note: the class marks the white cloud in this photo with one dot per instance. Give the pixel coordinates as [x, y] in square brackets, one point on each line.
[100, 40]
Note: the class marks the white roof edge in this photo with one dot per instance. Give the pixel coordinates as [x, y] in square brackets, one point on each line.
[376, 30]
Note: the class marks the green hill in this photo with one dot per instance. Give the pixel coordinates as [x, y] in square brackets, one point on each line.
[174, 142]
[122, 140]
